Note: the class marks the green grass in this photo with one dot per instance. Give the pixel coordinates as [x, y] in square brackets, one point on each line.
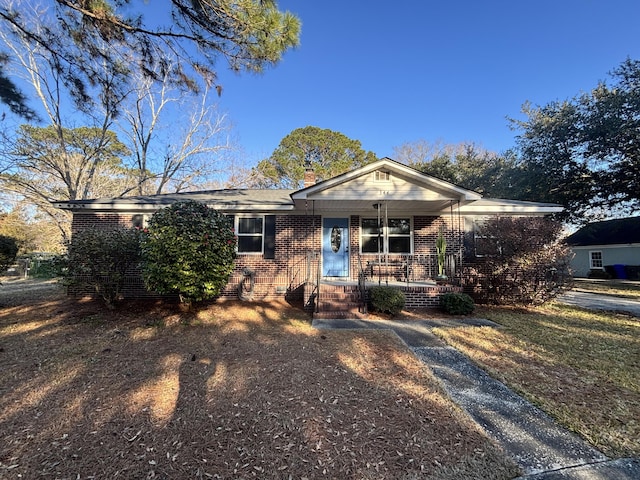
[582, 367]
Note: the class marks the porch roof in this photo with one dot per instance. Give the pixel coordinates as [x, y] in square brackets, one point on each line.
[405, 190]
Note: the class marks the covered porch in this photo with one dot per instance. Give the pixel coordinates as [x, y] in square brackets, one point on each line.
[348, 296]
[349, 299]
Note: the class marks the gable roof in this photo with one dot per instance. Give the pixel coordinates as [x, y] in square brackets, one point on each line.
[409, 174]
[608, 232]
[400, 188]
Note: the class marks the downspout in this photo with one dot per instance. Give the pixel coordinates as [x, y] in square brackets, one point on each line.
[461, 243]
[378, 205]
[386, 226]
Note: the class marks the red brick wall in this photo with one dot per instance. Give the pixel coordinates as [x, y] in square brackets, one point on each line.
[297, 237]
[426, 297]
[298, 244]
[104, 221]
[425, 233]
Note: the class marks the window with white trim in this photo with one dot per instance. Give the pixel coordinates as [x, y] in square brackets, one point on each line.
[394, 237]
[484, 245]
[139, 221]
[256, 234]
[595, 259]
[250, 232]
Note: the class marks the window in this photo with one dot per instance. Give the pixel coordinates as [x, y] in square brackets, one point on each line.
[485, 245]
[381, 176]
[595, 259]
[399, 235]
[394, 238]
[371, 236]
[249, 231]
[256, 234]
[139, 221]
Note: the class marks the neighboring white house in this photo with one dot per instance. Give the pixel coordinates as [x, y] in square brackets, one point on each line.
[611, 245]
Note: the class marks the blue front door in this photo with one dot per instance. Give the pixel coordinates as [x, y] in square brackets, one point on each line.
[335, 247]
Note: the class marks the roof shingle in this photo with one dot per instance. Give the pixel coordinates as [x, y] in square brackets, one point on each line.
[608, 232]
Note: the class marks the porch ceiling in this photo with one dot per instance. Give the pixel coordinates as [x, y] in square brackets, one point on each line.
[366, 207]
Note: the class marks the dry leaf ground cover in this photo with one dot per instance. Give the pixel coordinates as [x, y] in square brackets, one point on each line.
[580, 366]
[235, 390]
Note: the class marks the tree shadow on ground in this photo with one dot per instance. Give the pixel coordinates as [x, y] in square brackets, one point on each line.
[238, 390]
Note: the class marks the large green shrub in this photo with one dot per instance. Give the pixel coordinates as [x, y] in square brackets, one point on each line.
[8, 252]
[101, 259]
[457, 303]
[387, 299]
[188, 249]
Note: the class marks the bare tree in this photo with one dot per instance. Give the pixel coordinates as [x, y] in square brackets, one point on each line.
[420, 152]
[165, 156]
[59, 162]
[172, 140]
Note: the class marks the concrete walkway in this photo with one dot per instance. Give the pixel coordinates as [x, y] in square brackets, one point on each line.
[415, 333]
[542, 448]
[595, 301]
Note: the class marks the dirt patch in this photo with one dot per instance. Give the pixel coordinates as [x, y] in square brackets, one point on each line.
[232, 390]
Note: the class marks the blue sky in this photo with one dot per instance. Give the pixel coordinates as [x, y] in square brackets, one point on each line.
[386, 73]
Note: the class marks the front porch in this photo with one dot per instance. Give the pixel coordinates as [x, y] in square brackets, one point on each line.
[348, 296]
[342, 298]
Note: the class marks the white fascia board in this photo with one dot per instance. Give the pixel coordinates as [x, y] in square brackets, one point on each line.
[472, 209]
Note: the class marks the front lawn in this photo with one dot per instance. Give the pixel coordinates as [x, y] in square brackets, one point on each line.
[581, 367]
[238, 390]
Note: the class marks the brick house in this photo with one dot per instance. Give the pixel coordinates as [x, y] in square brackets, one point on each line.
[325, 243]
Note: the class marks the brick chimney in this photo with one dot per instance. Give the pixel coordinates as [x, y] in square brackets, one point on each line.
[309, 175]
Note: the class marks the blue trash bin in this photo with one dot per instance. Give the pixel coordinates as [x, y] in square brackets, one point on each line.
[620, 271]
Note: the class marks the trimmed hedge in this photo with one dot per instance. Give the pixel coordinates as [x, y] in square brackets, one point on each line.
[387, 299]
[188, 249]
[101, 258]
